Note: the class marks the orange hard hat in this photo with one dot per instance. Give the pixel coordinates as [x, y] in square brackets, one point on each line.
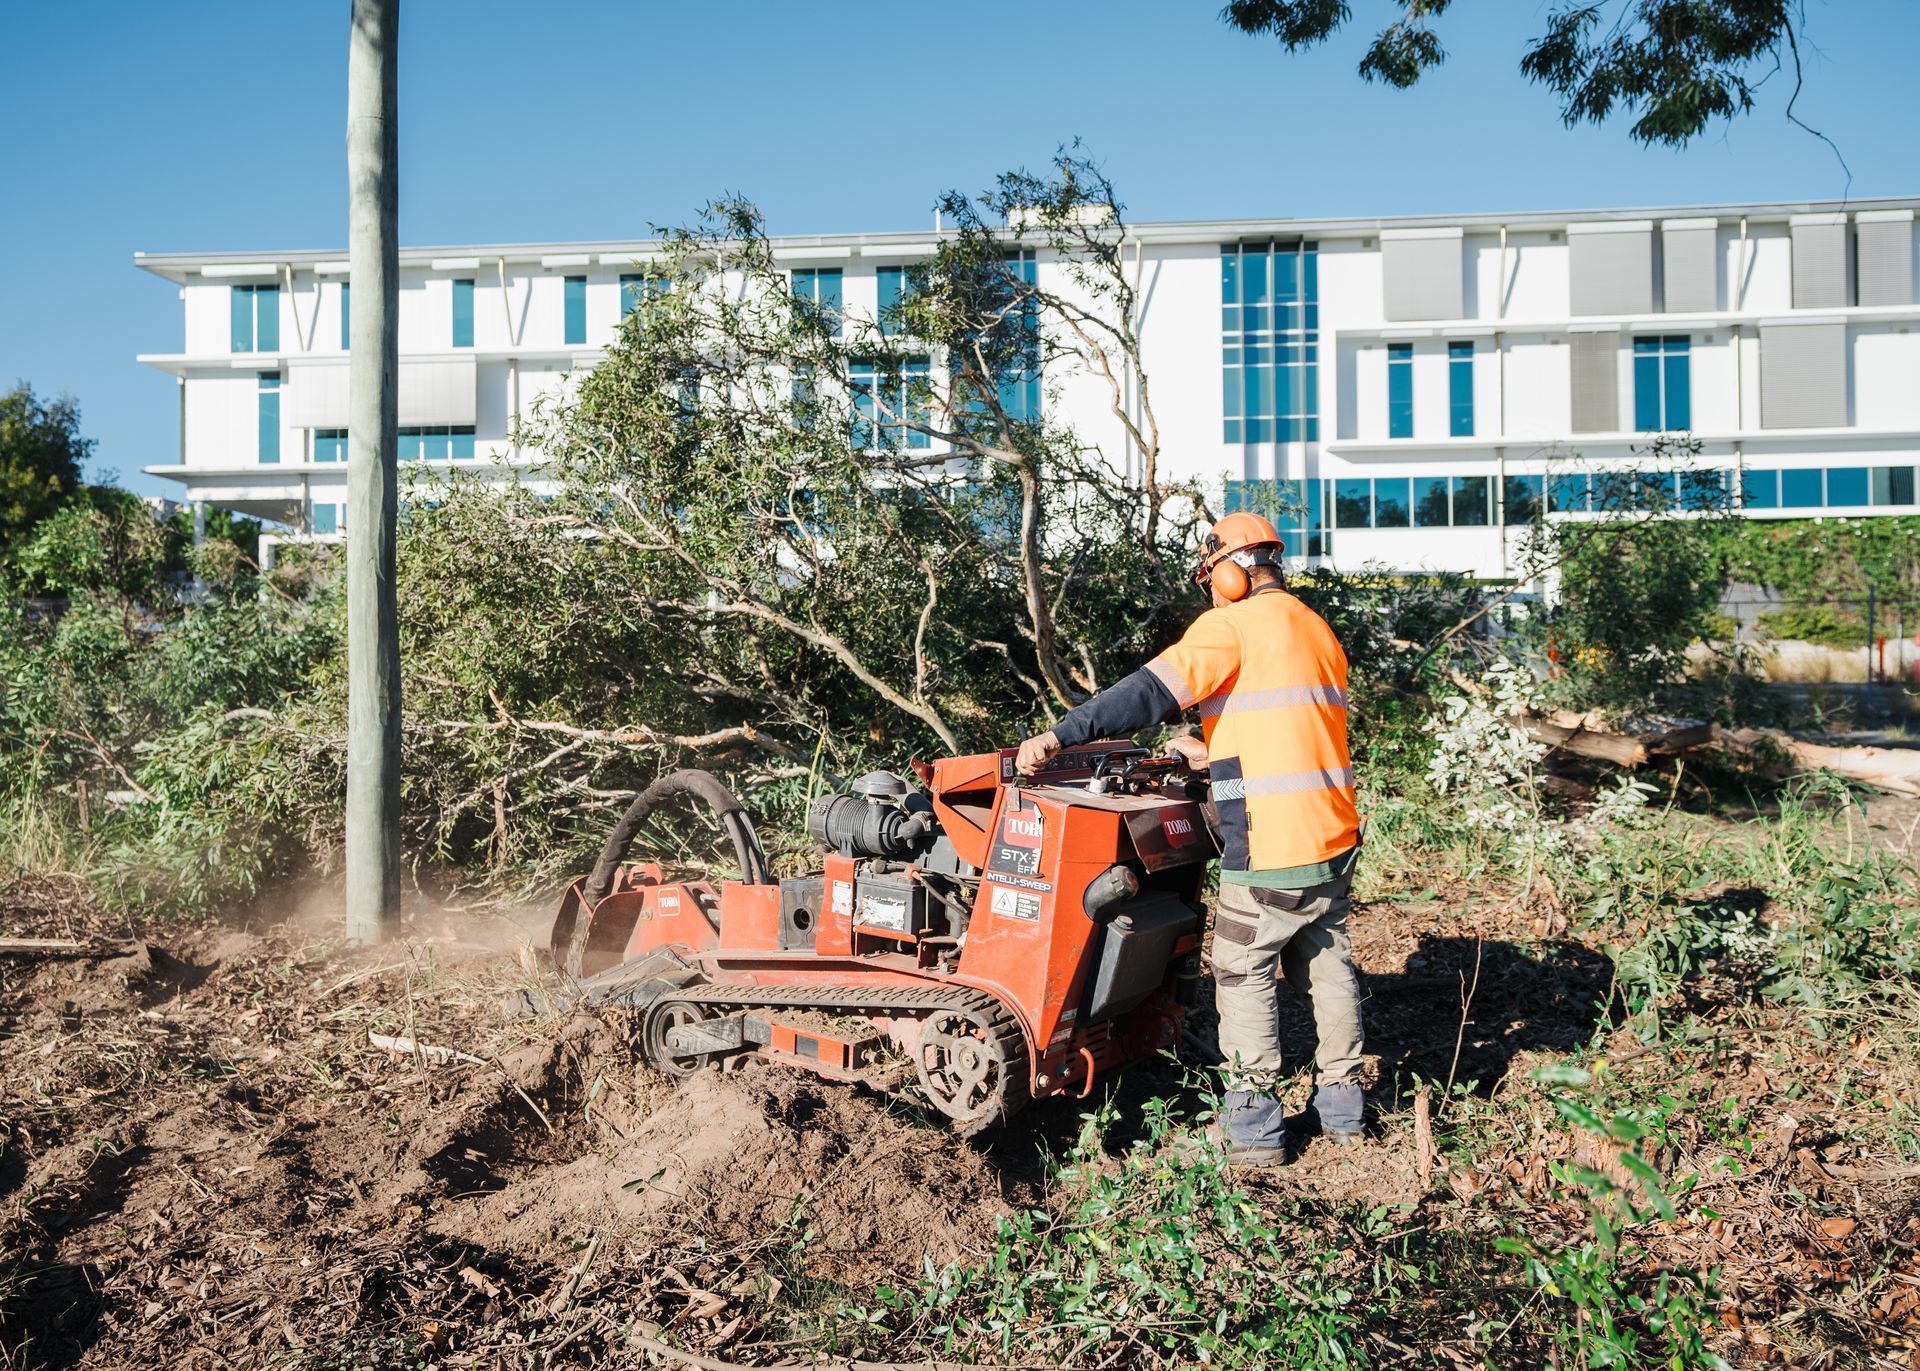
[1238, 532]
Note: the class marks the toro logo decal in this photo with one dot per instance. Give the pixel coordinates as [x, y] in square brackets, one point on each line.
[1016, 850]
[1178, 827]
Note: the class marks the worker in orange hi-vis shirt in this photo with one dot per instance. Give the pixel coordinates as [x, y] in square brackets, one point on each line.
[1270, 683]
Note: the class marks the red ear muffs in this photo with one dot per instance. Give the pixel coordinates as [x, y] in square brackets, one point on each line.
[1230, 580]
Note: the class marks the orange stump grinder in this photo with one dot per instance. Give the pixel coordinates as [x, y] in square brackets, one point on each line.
[983, 942]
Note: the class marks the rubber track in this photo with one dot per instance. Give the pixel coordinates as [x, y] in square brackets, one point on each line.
[1006, 1040]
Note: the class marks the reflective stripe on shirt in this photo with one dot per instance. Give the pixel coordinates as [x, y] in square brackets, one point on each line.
[1281, 697]
[1286, 783]
[1175, 683]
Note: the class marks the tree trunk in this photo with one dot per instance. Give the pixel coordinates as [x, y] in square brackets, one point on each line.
[373, 638]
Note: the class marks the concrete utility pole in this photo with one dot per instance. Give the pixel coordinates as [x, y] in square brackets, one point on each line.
[373, 410]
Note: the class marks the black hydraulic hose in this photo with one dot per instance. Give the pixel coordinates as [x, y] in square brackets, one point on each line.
[702, 785]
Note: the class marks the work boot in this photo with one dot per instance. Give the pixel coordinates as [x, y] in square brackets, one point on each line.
[1254, 1126]
[1338, 1112]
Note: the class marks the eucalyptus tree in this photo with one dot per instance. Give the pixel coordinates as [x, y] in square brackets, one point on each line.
[878, 515]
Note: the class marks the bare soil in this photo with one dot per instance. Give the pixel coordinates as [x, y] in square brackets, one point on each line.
[205, 1163]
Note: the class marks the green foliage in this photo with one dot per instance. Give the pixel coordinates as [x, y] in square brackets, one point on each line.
[1635, 595]
[106, 542]
[1823, 624]
[1674, 67]
[1833, 561]
[1158, 1258]
[1611, 1303]
[41, 455]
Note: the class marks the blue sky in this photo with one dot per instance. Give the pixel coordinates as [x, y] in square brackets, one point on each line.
[218, 126]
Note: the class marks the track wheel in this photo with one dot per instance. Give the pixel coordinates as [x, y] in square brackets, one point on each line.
[970, 1066]
[661, 1019]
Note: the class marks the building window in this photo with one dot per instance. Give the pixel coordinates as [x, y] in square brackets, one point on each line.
[1800, 488]
[323, 518]
[346, 316]
[1520, 501]
[1570, 493]
[576, 297]
[895, 283]
[1702, 490]
[1472, 501]
[1430, 502]
[1460, 389]
[1019, 385]
[1270, 342]
[436, 443]
[256, 318]
[463, 314]
[886, 404]
[1826, 487]
[1662, 394]
[641, 285]
[1399, 390]
[329, 445]
[269, 416]
[820, 289]
[1296, 508]
[1893, 485]
[1353, 502]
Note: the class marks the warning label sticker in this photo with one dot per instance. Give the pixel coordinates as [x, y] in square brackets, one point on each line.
[1015, 904]
[884, 912]
[843, 897]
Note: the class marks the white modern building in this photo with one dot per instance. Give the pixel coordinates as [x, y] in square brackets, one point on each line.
[1427, 382]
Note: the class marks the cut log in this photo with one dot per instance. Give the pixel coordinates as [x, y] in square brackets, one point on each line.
[1892, 769]
[1631, 744]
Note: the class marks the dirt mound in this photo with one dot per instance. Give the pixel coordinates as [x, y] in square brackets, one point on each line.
[204, 1160]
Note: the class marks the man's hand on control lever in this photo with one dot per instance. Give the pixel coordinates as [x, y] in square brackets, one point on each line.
[1190, 750]
[1035, 752]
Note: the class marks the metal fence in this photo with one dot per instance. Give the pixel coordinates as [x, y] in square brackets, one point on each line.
[1872, 638]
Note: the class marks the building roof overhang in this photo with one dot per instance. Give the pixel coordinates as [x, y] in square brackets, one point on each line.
[182, 266]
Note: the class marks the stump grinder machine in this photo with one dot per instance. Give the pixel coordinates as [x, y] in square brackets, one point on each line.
[976, 942]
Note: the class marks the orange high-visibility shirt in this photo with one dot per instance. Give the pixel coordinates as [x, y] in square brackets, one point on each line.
[1270, 682]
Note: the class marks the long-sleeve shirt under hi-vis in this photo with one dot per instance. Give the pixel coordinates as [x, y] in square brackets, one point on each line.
[1270, 682]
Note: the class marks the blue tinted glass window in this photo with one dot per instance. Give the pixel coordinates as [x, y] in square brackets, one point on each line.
[1800, 488]
[1703, 489]
[330, 445]
[1520, 504]
[462, 444]
[463, 314]
[346, 316]
[1472, 501]
[576, 302]
[1893, 485]
[860, 386]
[240, 306]
[1569, 493]
[1676, 385]
[325, 519]
[1399, 390]
[1269, 342]
[1353, 502]
[266, 318]
[1392, 505]
[1847, 485]
[1460, 389]
[1662, 388]
[1760, 489]
[269, 416]
[892, 283]
[1430, 502]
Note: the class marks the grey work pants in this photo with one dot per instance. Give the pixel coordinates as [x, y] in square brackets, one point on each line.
[1301, 934]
